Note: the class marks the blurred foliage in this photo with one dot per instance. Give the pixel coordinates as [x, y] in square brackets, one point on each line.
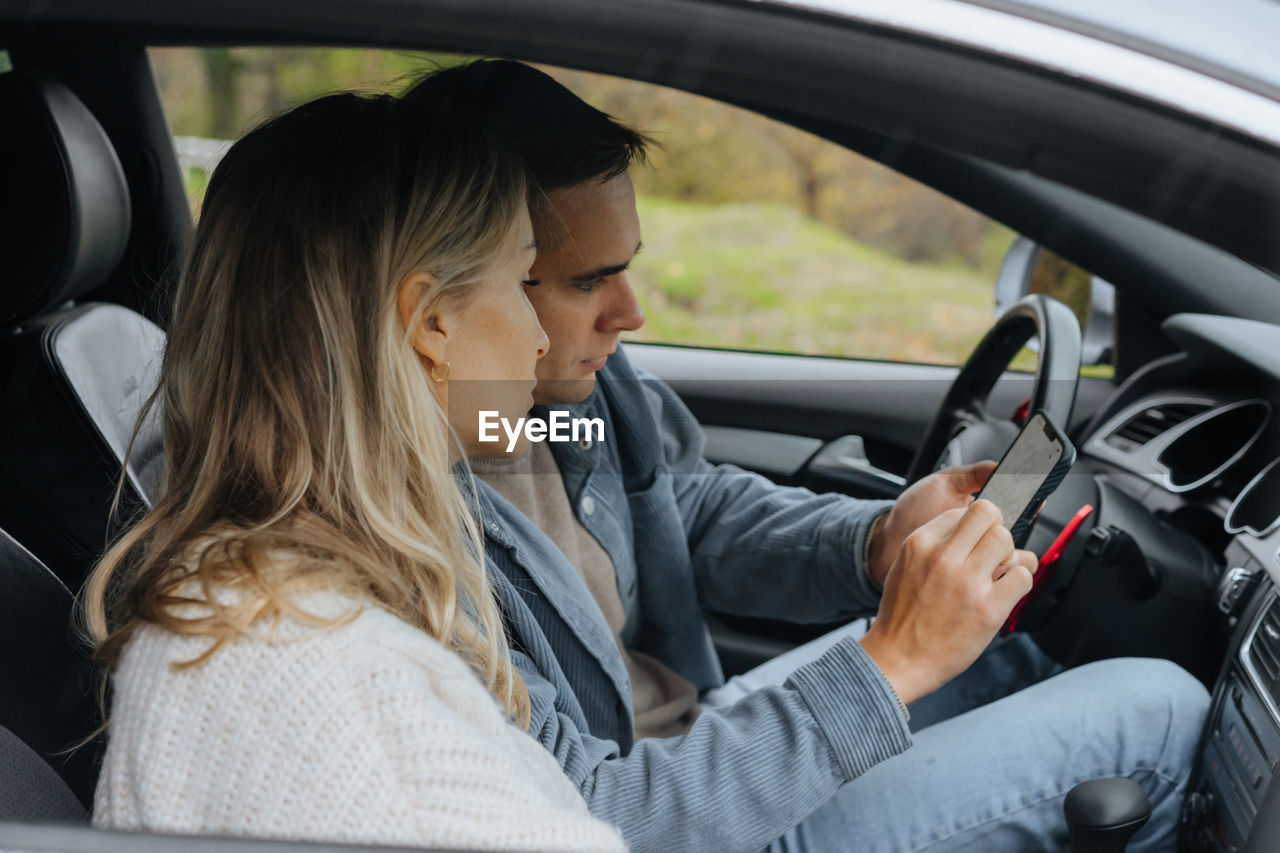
[757, 235]
[221, 93]
[1057, 277]
[708, 151]
[714, 153]
[761, 275]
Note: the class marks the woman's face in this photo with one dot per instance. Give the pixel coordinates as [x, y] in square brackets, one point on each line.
[494, 346]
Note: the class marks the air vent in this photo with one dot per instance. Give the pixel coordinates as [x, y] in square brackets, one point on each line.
[1149, 423]
[1260, 652]
[1264, 652]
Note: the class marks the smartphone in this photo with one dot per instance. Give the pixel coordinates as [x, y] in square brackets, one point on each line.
[1031, 469]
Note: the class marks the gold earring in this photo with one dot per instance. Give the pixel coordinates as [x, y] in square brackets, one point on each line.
[435, 377]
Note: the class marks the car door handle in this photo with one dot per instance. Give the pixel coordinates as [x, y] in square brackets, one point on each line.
[771, 453]
[847, 456]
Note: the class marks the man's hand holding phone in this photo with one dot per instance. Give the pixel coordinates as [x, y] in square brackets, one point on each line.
[956, 578]
[923, 501]
[1028, 473]
[953, 584]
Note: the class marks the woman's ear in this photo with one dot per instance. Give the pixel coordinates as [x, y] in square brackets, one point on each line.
[429, 330]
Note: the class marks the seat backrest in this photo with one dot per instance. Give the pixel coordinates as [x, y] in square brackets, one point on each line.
[30, 790]
[48, 695]
[73, 377]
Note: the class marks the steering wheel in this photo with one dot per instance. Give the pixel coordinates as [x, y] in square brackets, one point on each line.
[963, 431]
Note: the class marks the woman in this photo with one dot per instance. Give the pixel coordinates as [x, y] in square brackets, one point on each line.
[302, 638]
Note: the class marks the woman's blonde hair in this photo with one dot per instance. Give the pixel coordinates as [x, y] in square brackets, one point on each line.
[304, 447]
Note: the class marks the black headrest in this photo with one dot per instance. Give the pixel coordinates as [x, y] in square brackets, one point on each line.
[64, 203]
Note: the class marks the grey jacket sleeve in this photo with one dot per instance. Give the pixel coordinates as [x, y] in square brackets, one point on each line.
[759, 548]
[744, 774]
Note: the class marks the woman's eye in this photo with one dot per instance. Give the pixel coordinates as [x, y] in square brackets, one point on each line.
[531, 282]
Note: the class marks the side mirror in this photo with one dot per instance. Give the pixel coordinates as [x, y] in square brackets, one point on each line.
[1031, 268]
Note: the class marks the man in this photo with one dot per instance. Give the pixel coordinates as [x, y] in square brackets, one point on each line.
[606, 552]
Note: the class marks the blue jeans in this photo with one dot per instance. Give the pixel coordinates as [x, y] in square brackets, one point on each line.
[998, 748]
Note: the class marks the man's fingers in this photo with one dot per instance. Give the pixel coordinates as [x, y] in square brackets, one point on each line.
[967, 479]
[1013, 585]
[995, 548]
[938, 529]
[1023, 558]
[980, 517]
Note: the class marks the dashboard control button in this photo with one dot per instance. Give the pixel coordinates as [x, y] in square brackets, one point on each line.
[1231, 588]
[1193, 810]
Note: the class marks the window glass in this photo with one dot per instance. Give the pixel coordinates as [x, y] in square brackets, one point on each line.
[756, 235]
[1057, 277]
[212, 96]
[760, 236]
[1072, 285]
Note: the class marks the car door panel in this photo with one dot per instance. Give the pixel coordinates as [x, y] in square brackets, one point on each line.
[888, 405]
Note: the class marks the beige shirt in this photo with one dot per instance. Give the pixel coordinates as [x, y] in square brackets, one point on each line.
[665, 703]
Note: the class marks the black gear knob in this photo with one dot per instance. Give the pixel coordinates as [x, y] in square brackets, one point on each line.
[1103, 814]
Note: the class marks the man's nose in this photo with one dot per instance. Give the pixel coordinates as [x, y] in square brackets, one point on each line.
[623, 312]
[544, 343]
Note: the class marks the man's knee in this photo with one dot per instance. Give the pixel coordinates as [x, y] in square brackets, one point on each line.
[1157, 702]
[1152, 681]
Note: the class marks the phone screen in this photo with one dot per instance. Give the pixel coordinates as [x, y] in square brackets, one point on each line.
[1024, 468]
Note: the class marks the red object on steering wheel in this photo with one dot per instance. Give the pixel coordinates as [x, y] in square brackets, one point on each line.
[1045, 569]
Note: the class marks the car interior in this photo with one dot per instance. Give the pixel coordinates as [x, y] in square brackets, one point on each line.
[1179, 451]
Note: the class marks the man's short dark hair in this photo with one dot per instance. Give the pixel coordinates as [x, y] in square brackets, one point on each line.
[562, 139]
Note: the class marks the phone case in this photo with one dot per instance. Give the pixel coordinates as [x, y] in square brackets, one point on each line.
[1022, 527]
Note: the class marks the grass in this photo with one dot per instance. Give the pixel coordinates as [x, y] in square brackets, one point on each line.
[761, 276]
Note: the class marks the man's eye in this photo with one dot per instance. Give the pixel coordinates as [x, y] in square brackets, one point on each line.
[531, 282]
[589, 286]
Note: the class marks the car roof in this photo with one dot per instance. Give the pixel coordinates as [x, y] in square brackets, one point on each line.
[1232, 40]
[1204, 59]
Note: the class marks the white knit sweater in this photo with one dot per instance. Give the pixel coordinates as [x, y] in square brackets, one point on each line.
[367, 732]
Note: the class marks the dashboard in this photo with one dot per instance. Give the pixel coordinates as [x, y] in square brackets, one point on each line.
[1183, 558]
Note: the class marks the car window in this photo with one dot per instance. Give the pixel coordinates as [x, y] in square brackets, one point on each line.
[1070, 284]
[757, 236]
[213, 96]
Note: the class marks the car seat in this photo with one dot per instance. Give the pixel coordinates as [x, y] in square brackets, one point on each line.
[73, 375]
[47, 696]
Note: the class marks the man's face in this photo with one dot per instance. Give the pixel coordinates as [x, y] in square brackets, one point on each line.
[586, 240]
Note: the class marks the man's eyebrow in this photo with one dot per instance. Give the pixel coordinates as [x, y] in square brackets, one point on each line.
[605, 272]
